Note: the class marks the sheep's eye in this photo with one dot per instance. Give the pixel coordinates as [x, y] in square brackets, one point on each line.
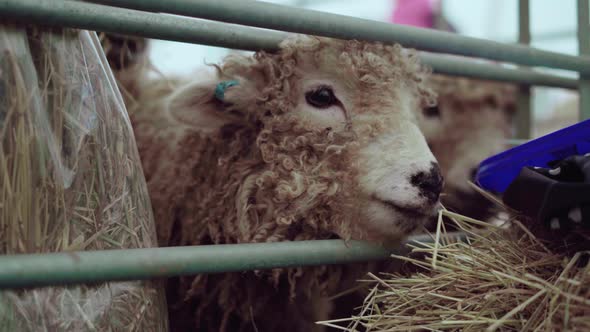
[432, 112]
[322, 97]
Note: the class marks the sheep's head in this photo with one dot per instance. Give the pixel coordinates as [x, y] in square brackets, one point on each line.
[470, 123]
[330, 140]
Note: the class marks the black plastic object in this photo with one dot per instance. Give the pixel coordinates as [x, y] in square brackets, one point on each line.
[558, 197]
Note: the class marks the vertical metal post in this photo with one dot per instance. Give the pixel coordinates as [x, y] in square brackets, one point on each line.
[524, 116]
[584, 49]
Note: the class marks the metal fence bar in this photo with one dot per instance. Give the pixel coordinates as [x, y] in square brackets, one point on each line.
[35, 270]
[89, 16]
[470, 68]
[80, 15]
[285, 18]
[524, 119]
[584, 49]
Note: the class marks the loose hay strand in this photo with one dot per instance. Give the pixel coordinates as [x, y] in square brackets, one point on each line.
[513, 312]
[437, 239]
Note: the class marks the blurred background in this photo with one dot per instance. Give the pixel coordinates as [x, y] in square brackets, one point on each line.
[553, 27]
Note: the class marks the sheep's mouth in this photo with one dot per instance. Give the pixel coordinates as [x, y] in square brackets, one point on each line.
[407, 212]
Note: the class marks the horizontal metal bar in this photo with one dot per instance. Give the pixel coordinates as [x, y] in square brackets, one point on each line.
[74, 14]
[35, 270]
[116, 20]
[286, 18]
[470, 68]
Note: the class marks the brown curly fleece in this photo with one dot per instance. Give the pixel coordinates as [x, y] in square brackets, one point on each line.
[263, 176]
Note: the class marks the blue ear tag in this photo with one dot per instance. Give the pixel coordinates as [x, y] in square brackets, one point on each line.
[222, 86]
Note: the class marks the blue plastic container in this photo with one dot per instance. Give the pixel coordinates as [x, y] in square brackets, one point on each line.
[497, 172]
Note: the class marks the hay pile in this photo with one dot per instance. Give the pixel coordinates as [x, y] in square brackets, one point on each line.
[70, 179]
[505, 279]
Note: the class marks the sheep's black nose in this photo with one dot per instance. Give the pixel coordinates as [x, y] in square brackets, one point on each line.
[430, 183]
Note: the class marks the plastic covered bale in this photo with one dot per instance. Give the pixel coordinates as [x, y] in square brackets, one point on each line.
[70, 180]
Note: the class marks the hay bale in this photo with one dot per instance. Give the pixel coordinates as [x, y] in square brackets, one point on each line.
[505, 279]
[70, 179]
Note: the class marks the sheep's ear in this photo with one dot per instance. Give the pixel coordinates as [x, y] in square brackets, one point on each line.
[204, 105]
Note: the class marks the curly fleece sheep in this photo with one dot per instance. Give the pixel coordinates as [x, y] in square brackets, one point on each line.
[316, 141]
[470, 122]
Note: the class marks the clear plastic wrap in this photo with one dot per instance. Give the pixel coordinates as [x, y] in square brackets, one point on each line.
[70, 179]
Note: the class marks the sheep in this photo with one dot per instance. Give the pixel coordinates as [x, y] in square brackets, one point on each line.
[318, 140]
[471, 121]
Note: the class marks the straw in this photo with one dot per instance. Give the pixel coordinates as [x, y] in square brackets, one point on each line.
[505, 279]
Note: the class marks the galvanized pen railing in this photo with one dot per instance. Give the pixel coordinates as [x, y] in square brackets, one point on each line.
[252, 25]
[36, 270]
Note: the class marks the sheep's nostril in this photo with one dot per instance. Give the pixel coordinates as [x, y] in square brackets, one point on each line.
[430, 183]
